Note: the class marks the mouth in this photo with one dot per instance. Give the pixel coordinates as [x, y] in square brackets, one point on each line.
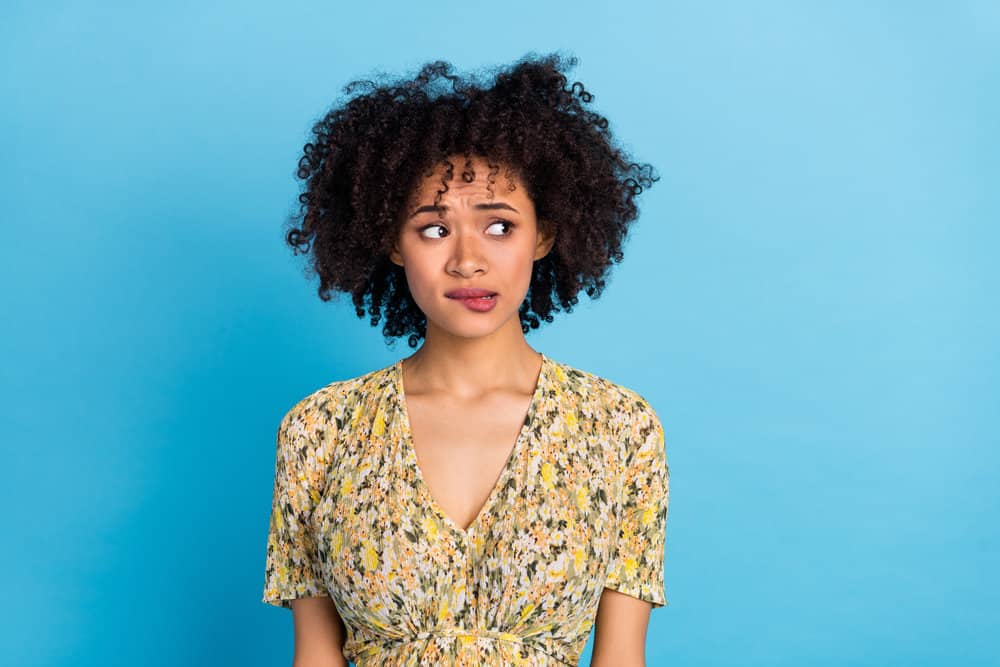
[477, 300]
[479, 294]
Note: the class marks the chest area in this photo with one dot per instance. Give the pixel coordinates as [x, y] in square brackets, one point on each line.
[546, 532]
[548, 494]
[461, 452]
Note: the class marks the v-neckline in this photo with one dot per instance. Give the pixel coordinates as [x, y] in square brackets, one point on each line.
[410, 451]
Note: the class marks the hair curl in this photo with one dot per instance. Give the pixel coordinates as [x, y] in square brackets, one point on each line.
[370, 151]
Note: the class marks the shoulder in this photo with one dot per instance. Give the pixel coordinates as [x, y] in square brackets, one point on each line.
[309, 435]
[619, 413]
[328, 409]
[615, 401]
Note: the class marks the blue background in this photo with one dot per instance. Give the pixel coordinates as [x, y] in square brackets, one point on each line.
[808, 300]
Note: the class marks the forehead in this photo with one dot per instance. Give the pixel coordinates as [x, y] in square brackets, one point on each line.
[427, 185]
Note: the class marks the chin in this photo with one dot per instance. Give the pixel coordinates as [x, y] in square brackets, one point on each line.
[464, 326]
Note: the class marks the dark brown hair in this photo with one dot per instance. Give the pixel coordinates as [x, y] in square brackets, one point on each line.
[369, 152]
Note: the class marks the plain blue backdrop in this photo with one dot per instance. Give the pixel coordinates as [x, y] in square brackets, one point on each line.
[808, 300]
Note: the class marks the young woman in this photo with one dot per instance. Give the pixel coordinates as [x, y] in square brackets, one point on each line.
[477, 502]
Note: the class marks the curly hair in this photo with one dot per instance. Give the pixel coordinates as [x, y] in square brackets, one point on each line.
[370, 151]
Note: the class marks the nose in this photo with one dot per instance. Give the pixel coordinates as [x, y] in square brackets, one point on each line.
[467, 257]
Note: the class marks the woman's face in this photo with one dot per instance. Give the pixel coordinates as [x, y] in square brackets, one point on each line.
[480, 242]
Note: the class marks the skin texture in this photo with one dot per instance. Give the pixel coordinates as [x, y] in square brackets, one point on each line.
[491, 249]
[620, 631]
[319, 633]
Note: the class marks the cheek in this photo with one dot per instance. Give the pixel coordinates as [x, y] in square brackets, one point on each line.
[520, 264]
[419, 279]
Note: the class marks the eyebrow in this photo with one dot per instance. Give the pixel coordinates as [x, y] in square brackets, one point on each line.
[481, 207]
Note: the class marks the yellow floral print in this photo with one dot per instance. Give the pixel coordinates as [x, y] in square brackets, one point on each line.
[580, 506]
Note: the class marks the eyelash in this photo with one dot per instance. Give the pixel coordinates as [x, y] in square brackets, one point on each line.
[510, 226]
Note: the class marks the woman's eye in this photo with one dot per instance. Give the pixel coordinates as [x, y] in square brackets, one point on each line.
[502, 222]
[429, 227]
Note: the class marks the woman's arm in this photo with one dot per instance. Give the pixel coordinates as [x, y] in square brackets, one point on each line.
[620, 631]
[319, 633]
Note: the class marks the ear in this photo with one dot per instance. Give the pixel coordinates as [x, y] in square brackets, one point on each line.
[395, 257]
[546, 239]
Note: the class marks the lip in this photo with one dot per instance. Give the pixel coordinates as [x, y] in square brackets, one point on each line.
[478, 304]
[468, 293]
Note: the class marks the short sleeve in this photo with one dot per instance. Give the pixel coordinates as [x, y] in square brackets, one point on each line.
[292, 566]
[638, 554]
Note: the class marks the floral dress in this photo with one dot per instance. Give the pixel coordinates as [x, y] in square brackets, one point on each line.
[580, 506]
